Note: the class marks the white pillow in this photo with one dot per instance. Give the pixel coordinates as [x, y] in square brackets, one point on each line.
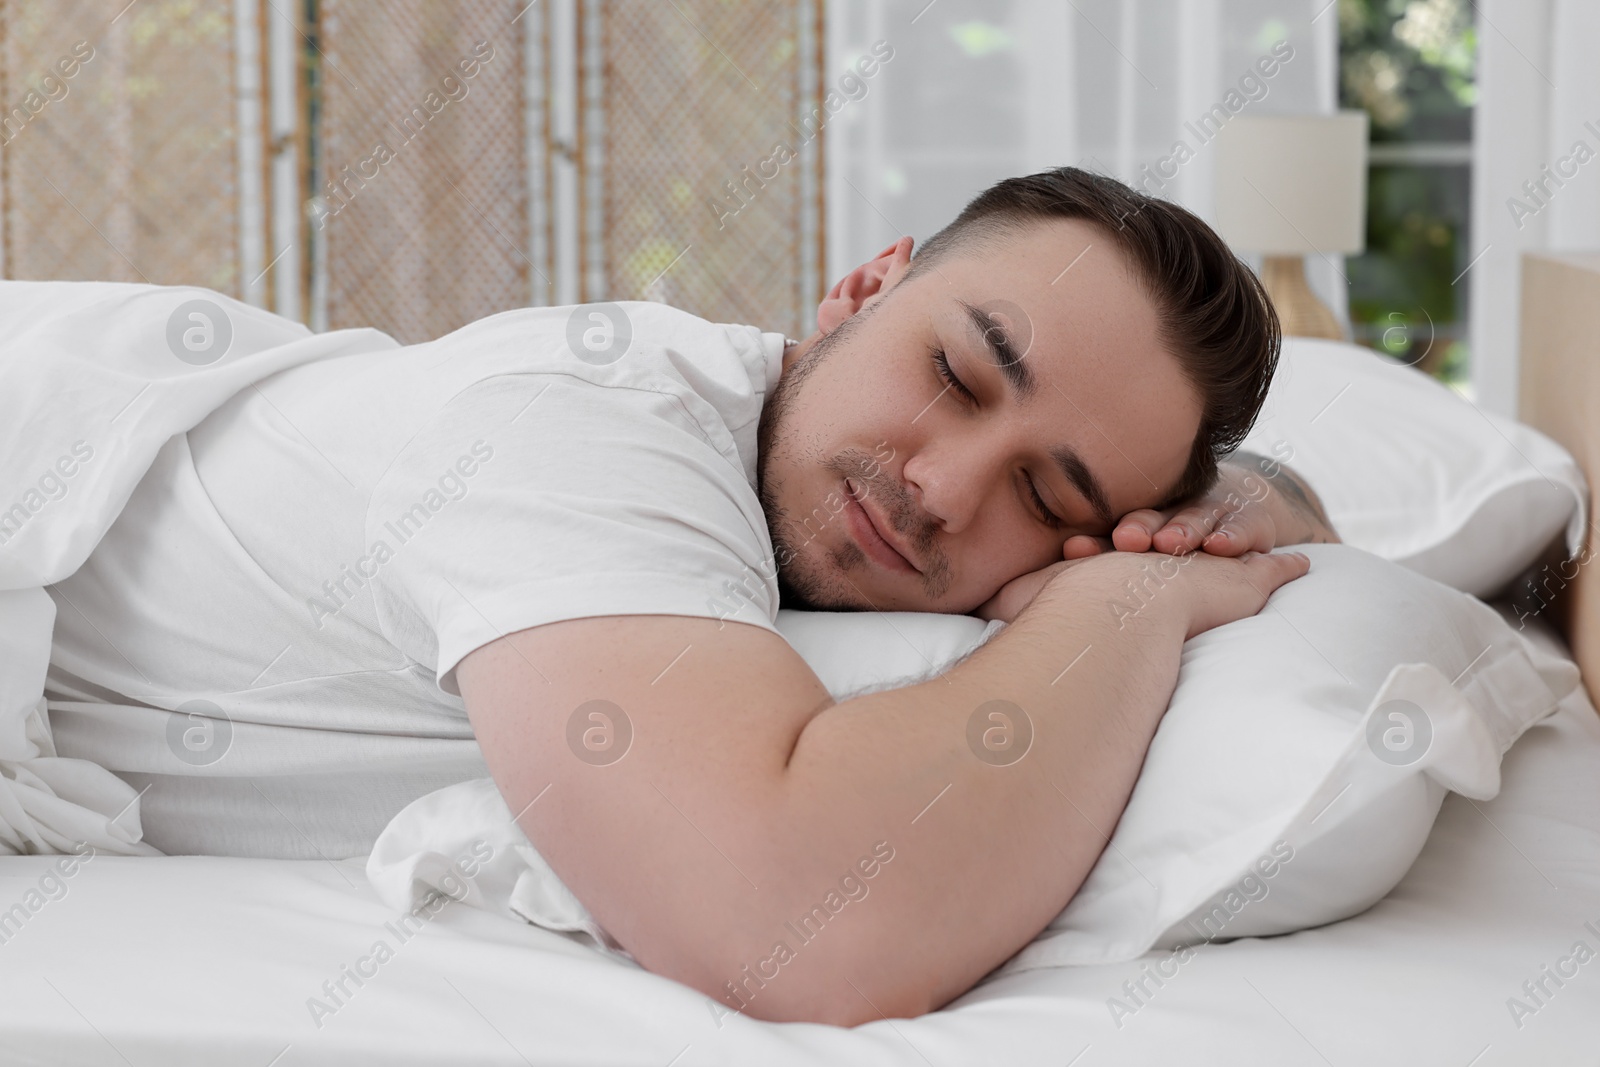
[461, 841]
[1413, 472]
[1303, 758]
[1260, 779]
[855, 652]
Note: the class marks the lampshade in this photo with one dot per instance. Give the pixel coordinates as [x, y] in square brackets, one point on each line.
[1293, 184]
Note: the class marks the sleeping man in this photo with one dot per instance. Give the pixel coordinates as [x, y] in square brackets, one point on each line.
[377, 574]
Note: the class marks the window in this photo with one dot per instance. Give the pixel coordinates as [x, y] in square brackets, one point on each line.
[1411, 65]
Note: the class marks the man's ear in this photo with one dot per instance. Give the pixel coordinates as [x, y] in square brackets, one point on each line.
[865, 284]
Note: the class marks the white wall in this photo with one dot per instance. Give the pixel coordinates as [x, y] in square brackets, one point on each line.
[979, 91]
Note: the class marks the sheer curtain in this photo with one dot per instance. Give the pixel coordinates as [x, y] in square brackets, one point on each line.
[1538, 99]
[979, 91]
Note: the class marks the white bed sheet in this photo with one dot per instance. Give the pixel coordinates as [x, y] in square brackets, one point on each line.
[207, 960]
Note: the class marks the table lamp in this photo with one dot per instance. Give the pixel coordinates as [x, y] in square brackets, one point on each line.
[1288, 186]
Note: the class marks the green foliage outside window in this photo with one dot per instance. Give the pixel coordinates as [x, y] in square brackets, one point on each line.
[1411, 64]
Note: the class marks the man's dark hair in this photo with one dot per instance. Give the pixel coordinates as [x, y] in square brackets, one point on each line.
[1214, 315]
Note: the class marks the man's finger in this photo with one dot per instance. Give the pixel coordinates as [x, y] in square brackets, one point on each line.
[1247, 531]
[1136, 530]
[1187, 529]
[1227, 541]
[1082, 546]
[1280, 568]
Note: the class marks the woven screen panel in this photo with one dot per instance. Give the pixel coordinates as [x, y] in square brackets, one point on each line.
[424, 200]
[126, 170]
[697, 96]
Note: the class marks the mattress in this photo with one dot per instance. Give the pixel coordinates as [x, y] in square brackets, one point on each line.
[1474, 959]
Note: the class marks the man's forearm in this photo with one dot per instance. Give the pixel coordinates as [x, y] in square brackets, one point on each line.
[991, 834]
[1297, 511]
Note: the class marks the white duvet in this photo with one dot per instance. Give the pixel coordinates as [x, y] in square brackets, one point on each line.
[94, 378]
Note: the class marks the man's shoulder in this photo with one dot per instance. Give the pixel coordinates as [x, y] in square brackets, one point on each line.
[615, 343]
[610, 357]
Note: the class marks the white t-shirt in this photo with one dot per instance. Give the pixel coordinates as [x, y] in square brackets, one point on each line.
[316, 557]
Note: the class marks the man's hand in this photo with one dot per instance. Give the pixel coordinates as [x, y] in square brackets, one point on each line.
[1216, 591]
[1256, 505]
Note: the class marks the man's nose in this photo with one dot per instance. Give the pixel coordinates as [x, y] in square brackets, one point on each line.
[948, 479]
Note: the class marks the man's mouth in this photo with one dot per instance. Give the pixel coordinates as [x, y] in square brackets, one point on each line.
[871, 534]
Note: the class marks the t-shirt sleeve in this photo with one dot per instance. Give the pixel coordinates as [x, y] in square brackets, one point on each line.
[534, 498]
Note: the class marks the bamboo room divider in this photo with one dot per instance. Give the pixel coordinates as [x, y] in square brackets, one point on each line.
[417, 164]
[118, 142]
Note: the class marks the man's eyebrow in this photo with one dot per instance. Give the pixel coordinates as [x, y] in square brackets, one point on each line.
[1002, 353]
[1079, 474]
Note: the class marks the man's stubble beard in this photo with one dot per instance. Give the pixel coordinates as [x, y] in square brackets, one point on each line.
[797, 588]
[799, 585]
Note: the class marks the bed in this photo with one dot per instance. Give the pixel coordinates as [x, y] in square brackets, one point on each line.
[211, 961]
[1473, 959]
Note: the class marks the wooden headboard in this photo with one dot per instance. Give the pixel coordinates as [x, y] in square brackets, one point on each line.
[1560, 396]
